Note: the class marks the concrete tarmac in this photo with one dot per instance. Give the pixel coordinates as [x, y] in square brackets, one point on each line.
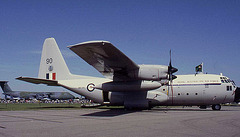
[165, 122]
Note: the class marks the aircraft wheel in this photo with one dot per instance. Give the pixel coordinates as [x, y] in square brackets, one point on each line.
[216, 107]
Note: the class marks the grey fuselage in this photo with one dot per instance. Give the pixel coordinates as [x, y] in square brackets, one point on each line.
[200, 89]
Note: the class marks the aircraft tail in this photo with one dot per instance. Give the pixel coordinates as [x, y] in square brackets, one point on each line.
[5, 87]
[52, 64]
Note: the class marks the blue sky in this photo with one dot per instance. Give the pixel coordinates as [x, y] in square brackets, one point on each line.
[196, 31]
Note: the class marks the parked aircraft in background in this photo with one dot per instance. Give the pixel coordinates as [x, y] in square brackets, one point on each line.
[129, 84]
[33, 95]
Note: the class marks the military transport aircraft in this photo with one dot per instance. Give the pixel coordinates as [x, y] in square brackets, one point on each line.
[129, 84]
[33, 95]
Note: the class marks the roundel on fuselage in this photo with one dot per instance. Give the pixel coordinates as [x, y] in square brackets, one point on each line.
[90, 87]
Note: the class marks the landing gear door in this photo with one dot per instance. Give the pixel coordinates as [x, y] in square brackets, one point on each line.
[106, 97]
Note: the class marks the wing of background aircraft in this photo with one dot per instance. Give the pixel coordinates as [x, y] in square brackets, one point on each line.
[106, 58]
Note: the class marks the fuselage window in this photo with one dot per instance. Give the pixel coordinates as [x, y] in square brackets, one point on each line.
[178, 93]
[187, 93]
[196, 93]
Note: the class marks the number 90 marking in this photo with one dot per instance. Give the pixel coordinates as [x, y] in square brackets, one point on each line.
[49, 60]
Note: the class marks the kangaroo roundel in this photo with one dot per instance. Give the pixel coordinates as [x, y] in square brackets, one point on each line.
[90, 87]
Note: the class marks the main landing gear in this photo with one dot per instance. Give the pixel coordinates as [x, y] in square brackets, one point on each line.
[216, 107]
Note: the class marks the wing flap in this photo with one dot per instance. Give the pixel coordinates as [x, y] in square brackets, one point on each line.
[106, 58]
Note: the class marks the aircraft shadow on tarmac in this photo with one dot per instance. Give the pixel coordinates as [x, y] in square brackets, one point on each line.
[120, 111]
[166, 109]
[111, 113]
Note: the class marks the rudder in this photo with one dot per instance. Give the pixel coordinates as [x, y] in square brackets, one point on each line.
[5, 87]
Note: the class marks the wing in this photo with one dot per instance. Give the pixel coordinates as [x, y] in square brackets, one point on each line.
[106, 58]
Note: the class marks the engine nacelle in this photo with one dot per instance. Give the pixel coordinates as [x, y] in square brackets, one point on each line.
[151, 72]
[129, 86]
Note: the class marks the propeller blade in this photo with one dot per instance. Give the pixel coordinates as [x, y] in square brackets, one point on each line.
[174, 77]
[170, 62]
[171, 69]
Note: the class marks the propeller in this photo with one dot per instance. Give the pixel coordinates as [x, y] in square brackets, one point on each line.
[171, 70]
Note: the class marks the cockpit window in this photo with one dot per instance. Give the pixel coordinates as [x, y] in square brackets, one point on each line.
[233, 82]
[225, 80]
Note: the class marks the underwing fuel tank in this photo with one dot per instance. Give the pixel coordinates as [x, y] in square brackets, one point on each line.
[129, 86]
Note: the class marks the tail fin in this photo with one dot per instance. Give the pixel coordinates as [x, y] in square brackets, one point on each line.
[52, 65]
[5, 87]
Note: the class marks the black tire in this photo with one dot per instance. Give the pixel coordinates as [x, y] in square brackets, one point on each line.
[216, 107]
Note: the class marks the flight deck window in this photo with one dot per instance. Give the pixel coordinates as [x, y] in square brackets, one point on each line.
[225, 80]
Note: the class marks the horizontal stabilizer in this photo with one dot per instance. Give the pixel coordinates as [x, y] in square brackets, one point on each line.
[39, 81]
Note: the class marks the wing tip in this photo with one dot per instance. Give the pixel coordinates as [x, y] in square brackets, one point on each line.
[88, 42]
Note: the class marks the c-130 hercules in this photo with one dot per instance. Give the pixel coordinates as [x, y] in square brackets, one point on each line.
[129, 84]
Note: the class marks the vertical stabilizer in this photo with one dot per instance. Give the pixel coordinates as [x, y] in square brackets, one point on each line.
[5, 87]
[52, 64]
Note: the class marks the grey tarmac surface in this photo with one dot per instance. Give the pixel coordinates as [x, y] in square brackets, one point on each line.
[169, 122]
